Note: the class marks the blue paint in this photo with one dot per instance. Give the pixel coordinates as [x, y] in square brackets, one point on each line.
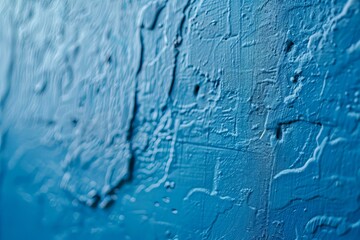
[196, 119]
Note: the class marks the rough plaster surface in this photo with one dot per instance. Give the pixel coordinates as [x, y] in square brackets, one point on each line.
[188, 119]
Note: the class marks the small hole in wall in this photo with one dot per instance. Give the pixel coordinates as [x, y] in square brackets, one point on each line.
[109, 59]
[196, 89]
[295, 78]
[94, 201]
[74, 122]
[288, 46]
[278, 133]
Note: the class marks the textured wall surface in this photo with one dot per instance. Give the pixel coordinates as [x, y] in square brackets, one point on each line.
[187, 119]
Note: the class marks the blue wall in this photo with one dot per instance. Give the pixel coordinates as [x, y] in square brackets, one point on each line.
[188, 119]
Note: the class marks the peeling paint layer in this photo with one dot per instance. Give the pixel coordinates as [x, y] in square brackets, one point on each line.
[191, 119]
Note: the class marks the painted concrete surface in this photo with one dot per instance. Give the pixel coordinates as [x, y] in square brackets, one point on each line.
[188, 119]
